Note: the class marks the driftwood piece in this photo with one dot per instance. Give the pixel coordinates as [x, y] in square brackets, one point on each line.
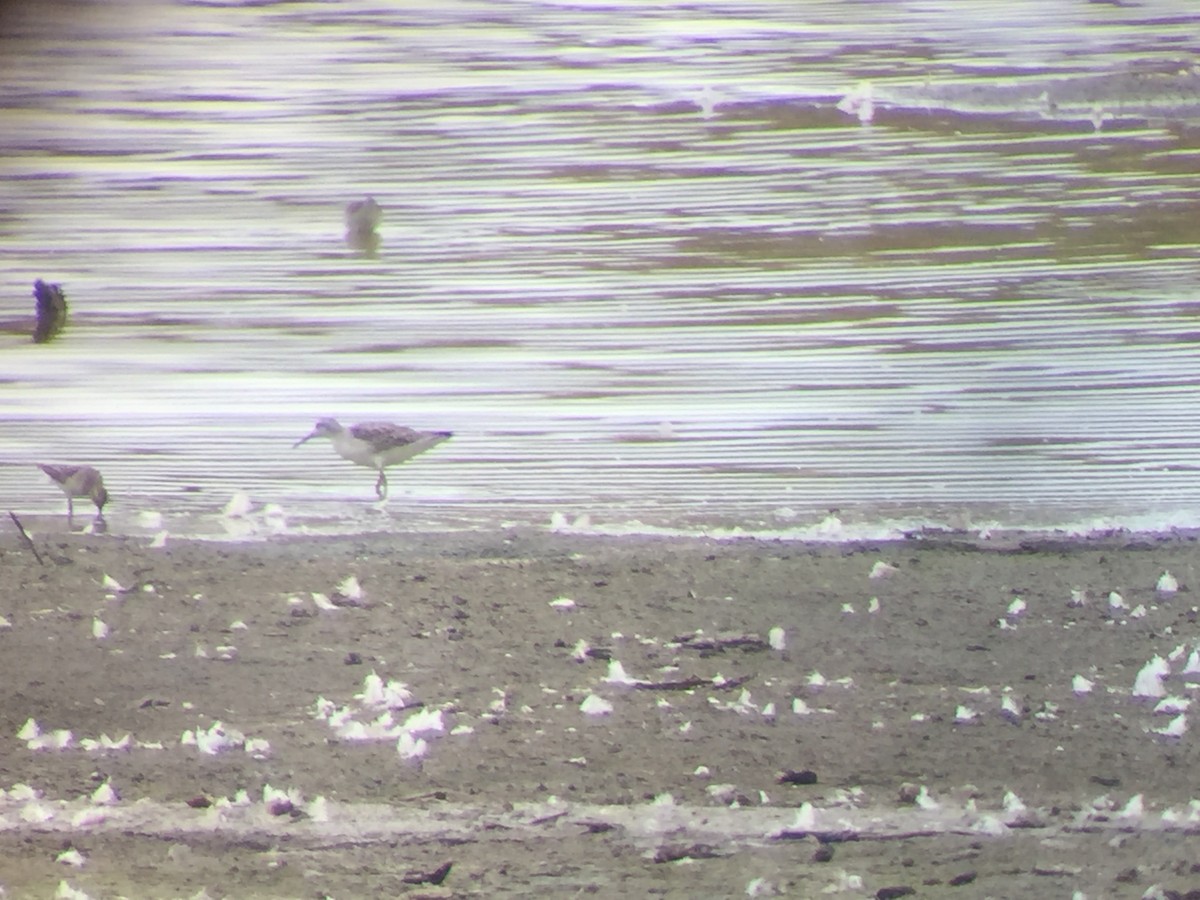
[51, 311]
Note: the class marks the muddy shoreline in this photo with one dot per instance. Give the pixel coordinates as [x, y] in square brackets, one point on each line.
[526, 794]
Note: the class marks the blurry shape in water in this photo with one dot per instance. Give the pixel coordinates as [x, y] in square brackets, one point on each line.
[51, 311]
[707, 99]
[79, 481]
[362, 218]
[1099, 116]
[859, 102]
[376, 445]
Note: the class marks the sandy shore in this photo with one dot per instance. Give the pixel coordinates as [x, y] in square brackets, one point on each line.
[674, 792]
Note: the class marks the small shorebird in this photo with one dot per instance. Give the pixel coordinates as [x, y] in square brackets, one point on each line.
[79, 481]
[376, 445]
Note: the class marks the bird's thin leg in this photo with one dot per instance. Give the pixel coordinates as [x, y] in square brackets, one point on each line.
[381, 485]
[70, 513]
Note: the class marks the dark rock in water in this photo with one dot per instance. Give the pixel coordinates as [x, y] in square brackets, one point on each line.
[51, 311]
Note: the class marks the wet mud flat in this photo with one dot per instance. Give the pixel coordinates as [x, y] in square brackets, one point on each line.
[524, 713]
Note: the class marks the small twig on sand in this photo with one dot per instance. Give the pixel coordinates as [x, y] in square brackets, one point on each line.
[430, 795]
[552, 817]
[748, 642]
[437, 876]
[840, 837]
[25, 537]
[676, 852]
[692, 681]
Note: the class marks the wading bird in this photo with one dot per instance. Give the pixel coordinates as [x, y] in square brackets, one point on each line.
[79, 481]
[376, 445]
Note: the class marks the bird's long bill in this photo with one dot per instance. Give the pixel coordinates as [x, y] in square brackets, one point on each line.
[303, 439]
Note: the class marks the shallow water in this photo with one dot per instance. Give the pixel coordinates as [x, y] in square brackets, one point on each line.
[633, 257]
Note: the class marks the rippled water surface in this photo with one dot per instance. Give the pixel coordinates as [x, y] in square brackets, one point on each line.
[632, 255]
